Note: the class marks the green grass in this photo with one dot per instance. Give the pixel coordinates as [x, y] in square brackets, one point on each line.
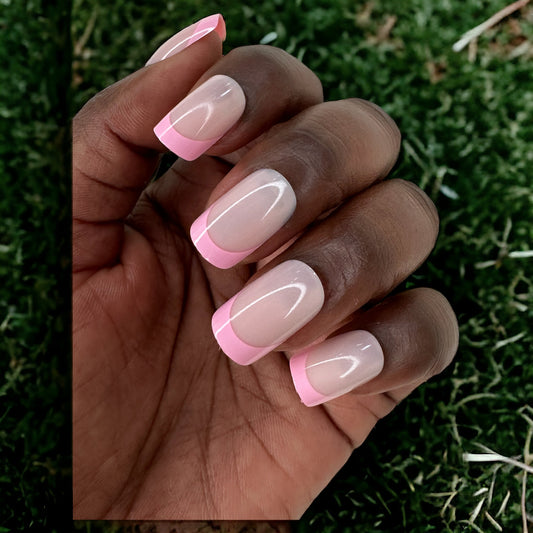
[34, 265]
[467, 126]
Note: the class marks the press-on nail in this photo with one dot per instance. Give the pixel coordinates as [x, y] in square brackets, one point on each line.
[336, 366]
[202, 117]
[244, 218]
[268, 311]
[188, 36]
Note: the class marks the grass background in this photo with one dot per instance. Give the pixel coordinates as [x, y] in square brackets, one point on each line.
[467, 125]
[34, 265]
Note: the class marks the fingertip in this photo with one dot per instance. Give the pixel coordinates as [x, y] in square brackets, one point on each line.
[188, 36]
[184, 147]
[308, 395]
[208, 249]
[220, 25]
[230, 343]
[202, 117]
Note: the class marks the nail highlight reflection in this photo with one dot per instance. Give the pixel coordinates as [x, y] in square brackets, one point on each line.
[244, 218]
[202, 117]
[336, 366]
[268, 311]
[188, 36]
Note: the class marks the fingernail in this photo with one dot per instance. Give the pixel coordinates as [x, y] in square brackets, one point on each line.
[336, 366]
[202, 117]
[244, 218]
[188, 36]
[268, 311]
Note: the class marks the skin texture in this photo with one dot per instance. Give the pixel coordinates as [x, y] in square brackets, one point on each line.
[165, 425]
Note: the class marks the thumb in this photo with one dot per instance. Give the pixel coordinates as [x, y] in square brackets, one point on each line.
[115, 151]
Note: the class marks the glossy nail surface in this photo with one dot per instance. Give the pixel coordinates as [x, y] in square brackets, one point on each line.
[244, 218]
[268, 311]
[202, 117]
[336, 366]
[188, 36]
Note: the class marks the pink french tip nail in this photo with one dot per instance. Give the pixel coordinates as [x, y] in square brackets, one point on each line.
[268, 311]
[243, 218]
[202, 117]
[188, 36]
[336, 366]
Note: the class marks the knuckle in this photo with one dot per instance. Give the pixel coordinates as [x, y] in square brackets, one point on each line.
[419, 203]
[260, 66]
[95, 111]
[256, 64]
[314, 155]
[382, 119]
[256, 55]
[440, 324]
[385, 127]
[366, 137]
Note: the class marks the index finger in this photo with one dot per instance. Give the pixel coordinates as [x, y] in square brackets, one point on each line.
[115, 151]
[113, 141]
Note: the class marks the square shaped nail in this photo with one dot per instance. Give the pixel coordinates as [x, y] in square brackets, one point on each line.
[202, 117]
[268, 311]
[243, 218]
[336, 366]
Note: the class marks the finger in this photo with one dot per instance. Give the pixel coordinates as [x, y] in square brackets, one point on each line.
[188, 36]
[115, 151]
[300, 170]
[395, 346]
[355, 256]
[240, 97]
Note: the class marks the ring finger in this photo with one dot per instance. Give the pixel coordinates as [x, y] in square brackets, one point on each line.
[354, 256]
[300, 170]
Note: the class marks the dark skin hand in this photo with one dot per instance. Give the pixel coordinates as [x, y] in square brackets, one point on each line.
[165, 425]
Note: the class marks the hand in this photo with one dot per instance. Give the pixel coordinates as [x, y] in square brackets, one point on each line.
[165, 425]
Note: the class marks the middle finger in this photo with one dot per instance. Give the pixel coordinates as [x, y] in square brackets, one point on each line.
[354, 256]
[297, 172]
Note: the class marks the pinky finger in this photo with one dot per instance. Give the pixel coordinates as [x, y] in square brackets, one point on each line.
[391, 348]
